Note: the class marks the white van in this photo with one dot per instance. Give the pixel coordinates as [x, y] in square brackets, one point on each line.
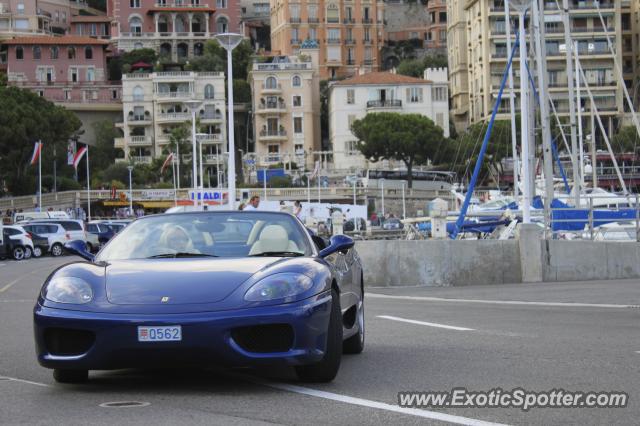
[24, 216]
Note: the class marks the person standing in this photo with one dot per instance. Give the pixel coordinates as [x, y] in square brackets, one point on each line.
[253, 204]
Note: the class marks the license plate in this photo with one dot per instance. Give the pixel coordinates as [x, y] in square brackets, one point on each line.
[172, 333]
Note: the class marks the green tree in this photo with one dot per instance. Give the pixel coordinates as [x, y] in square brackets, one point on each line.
[214, 58]
[122, 64]
[410, 138]
[461, 154]
[626, 140]
[25, 118]
[102, 151]
[414, 67]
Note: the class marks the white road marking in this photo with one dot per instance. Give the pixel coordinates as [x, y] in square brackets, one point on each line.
[502, 302]
[429, 324]
[16, 300]
[14, 379]
[638, 352]
[434, 415]
[8, 286]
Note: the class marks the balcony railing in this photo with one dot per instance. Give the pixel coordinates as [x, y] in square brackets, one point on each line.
[394, 103]
[272, 105]
[210, 116]
[349, 41]
[278, 67]
[351, 62]
[348, 21]
[181, 116]
[367, 41]
[367, 21]
[313, 20]
[172, 95]
[139, 118]
[142, 159]
[139, 140]
[295, 20]
[368, 61]
[272, 87]
[333, 41]
[207, 138]
[333, 20]
[272, 133]
[296, 41]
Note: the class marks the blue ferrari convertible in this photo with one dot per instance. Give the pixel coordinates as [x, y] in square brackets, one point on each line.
[201, 289]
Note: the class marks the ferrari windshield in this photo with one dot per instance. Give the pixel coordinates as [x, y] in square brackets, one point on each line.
[209, 234]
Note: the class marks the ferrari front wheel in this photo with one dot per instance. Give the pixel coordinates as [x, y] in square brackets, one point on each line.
[327, 369]
[70, 376]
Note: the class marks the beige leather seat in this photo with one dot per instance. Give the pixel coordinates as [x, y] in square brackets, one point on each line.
[273, 238]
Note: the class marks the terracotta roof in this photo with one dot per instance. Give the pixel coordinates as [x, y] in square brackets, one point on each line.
[83, 18]
[57, 40]
[381, 78]
[181, 9]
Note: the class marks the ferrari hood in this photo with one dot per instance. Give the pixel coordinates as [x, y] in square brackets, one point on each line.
[177, 281]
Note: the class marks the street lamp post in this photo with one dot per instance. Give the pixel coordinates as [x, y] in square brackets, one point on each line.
[130, 168]
[382, 192]
[404, 206]
[193, 105]
[201, 182]
[230, 41]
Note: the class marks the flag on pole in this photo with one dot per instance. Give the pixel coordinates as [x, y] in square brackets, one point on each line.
[166, 162]
[78, 156]
[37, 149]
[71, 149]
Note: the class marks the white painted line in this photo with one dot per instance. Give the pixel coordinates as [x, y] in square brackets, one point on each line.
[434, 415]
[429, 324]
[502, 302]
[13, 379]
[638, 352]
[16, 300]
[8, 286]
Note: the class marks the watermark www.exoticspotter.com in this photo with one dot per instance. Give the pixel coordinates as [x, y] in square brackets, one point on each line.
[514, 398]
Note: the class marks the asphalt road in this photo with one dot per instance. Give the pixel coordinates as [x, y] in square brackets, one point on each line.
[574, 336]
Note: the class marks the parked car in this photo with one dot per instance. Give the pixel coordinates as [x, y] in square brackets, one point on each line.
[56, 235]
[281, 296]
[101, 230]
[9, 247]
[23, 247]
[73, 227]
[40, 244]
[349, 225]
[392, 224]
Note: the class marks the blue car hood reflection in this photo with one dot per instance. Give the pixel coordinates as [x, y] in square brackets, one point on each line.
[178, 281]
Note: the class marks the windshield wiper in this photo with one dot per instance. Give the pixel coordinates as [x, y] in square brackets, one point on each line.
[277, 253]
[180, 254]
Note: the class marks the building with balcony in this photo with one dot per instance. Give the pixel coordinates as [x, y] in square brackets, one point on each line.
[350, 34]
[457, 50]
[67, 70]
[286, 105]
[36, 17]
[176, 29]
[91, 26]
[487, 57]
[354, 98]
[154, 104]
[256, 23]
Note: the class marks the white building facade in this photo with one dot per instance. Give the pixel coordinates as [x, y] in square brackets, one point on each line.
[352, 99]
[153, 104]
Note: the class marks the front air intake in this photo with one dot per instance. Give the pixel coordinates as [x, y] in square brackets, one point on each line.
[68, 341]
[264, 338]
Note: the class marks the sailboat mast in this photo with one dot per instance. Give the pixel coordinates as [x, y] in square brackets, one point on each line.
[572, 101]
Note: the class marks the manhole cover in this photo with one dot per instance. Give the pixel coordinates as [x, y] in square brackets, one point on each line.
[124, 404]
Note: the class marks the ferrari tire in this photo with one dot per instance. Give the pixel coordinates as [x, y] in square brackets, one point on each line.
[37, 251]
[56, 250]
[327, 369]
[18, 253]
[70, 376]
[355, 343]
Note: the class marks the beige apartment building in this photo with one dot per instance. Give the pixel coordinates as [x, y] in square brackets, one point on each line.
[286, 105]
[349, 33]
[474, 91]
[154, 103]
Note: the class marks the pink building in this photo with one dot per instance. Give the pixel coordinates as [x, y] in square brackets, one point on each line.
[176, 29]
[67, 69]
[92, 26]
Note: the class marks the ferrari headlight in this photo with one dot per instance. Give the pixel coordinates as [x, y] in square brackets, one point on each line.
[68, 290]
[278, 286]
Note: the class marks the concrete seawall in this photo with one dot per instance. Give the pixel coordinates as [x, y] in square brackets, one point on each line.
[460, 262]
